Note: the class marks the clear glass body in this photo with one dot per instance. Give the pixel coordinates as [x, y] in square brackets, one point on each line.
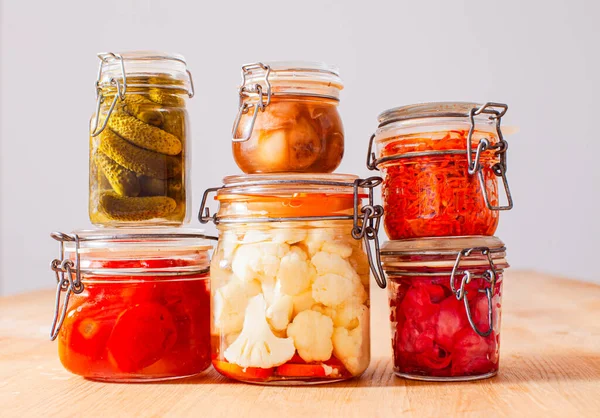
[135, 323]
[139, 163]
[290, 299]
[293, 134]
[431, 335]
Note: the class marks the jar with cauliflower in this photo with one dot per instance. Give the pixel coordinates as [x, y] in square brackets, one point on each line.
[288, 119]
[290, 284]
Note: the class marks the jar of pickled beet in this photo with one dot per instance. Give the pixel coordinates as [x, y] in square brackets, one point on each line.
[132, 306]
[288, 118]
[139, 139]
[445, 298]
[441, 163]
[290, 277]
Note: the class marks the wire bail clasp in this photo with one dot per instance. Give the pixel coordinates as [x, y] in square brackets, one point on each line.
[245, 107]
[366, 226]
[204, 215]
[496, 111]
[490, 276]
[121, 91]
[65, 282]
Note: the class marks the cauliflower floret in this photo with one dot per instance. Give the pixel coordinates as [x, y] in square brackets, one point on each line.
[332, 289]
[295, 273]
[279, 312]
[258, 261]
[311, 332]
[316, 238]
[229, 304]
[360, 263]
[336, 281]
[302, 302]
[346, 315]
[352, 347]
[336, 247]
[253, 236]
[288, 235]
[257, 346]
[333, 263]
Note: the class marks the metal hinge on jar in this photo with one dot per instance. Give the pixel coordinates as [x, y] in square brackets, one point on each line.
[121, 88]
[366, 218]
[245, 107]
[68, 279]
[495, 112]
[490, 276]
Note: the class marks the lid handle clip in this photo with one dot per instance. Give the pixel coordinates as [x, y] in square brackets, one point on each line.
[245, 107]
[366, 227]
[496, 111]
[121, 91]
[66, 280]
[490, 276]
[204, 215]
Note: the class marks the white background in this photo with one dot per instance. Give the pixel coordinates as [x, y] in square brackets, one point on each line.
[540, 57]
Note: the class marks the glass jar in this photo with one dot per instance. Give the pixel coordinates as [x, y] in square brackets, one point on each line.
[138, 140]
[290, 277]
[288, 119]
[136, 304]
[445, 299]
[432, 186]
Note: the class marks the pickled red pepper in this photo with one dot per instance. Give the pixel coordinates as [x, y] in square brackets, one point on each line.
[435, 195]
[431, 334]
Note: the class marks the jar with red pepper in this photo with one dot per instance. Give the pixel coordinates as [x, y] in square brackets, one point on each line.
[441, 163]
[135, 305]
[445, 298]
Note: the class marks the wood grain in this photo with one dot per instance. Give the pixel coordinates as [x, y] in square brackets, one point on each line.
[550, 366]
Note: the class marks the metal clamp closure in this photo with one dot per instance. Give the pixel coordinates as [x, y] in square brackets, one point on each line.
[63, 268]
[501, 147]
[121, 90]
[366, 227]
[490, 276]
[245, 107]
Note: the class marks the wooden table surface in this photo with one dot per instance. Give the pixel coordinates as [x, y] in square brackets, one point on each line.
[550, 365]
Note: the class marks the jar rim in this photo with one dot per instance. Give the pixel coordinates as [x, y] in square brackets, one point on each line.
[289, 183]
[170, 66]
[432, 110]
[441, 245]
[138, 240]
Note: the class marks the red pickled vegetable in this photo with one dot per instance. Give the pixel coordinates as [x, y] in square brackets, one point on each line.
[431, 196]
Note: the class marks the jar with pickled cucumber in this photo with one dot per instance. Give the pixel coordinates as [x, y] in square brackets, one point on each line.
[288, 119]
[138, 140]
[290, 277]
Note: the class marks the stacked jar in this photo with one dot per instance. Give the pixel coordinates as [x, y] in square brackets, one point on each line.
[291, 272]
[133, 296]
[441, 163]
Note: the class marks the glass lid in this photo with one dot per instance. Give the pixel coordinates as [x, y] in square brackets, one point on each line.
[440, 110]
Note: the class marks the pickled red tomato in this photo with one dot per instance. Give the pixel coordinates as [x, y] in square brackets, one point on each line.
[432, 334]
[141, 336]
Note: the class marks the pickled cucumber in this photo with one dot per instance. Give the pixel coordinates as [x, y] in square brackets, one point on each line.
[166, 99]
[144, 109]
[143, 135]
[120, 208]
[123, 181]
[156, 187]
[174, 123]
[137, 159]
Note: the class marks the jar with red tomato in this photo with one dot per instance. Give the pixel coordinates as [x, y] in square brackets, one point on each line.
[445, 297]
[134, 305]
[441, 163]
[291, 276]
